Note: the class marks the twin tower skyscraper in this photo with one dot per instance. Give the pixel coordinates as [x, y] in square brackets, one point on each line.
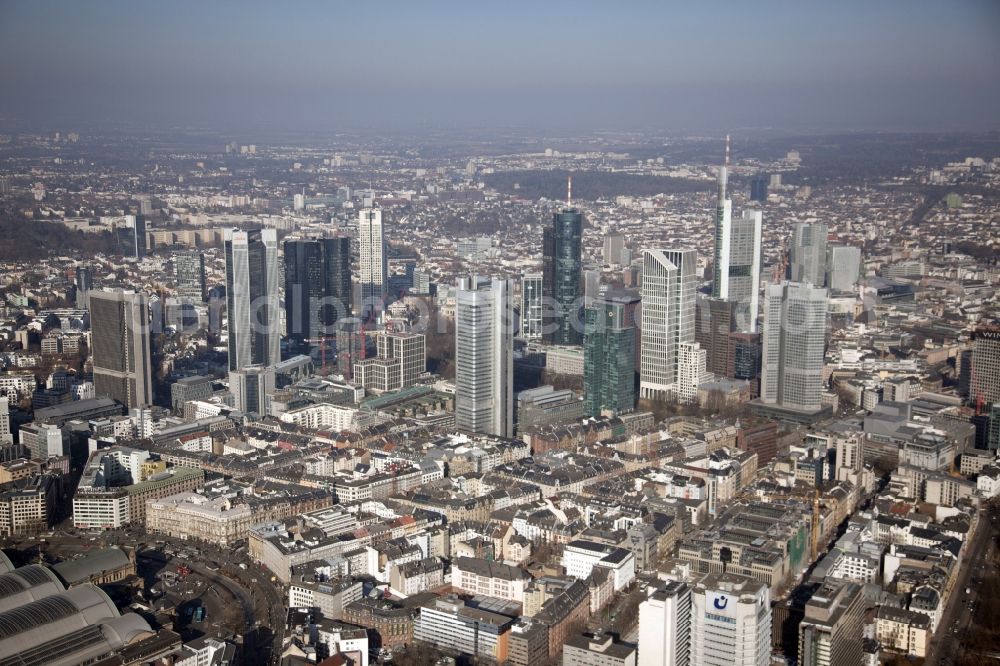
[317, 287]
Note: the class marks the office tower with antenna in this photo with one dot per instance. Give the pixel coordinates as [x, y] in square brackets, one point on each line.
[737, 255]
[562, 265]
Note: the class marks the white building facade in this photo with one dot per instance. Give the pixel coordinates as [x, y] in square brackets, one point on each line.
[669, 281]
[484, 347]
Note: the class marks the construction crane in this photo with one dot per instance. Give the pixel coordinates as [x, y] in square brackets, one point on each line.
[344, 355]
[817, 527]
[320, 342]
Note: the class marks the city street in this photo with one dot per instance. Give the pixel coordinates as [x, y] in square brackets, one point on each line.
[977, 562]
[262, 603]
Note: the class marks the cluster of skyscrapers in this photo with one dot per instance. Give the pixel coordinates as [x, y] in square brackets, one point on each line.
[685, 339]
[317, 298]
[682, 340]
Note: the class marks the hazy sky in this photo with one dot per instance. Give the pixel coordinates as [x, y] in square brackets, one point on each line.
[840, 64]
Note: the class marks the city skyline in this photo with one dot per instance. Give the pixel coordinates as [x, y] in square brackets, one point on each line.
[523, 334]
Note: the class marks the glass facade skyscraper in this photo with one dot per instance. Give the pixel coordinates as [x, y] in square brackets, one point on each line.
[723, 229]
[737, 256]
[993, 428]
[609, 359]
[252, 297]
[758, 188]
[317, 286]
[303, 289]
[189, 272]
[84, 283]
[562, 267]
[714, 321]
[337, 277]
[744, 268]
[744, 356]
[843, 267]
[132, 236]
[250, 387]
[807, 258]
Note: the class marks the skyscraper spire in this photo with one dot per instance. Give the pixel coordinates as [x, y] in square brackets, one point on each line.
[724, 175]
[569, 191]
[723, 229]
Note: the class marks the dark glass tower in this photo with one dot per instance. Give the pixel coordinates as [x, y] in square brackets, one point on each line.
[132, 239]
[608, 359]
[304, 287]
[562, 266]
[337, 278]
[744, 356]
[715, 321]
[140, 236]
[317, 286]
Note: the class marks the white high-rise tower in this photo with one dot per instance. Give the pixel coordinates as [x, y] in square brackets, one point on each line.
[484, 346]
[723, 229]
[794, 344]
[373, 262]
[691, 372]
[730, 621]
[531, 306]
[5, 437]
[665, 626]
[669, 281]
[737, 256]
